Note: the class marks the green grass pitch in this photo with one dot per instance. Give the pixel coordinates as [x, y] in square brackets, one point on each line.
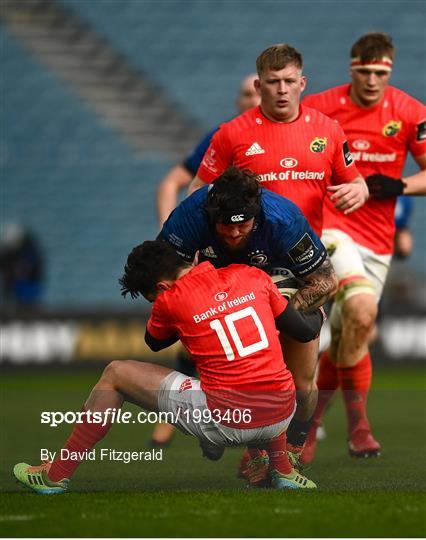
[185, 495]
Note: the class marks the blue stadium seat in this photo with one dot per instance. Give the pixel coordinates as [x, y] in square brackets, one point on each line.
[76, 182]
[73, 181]
[203, 48]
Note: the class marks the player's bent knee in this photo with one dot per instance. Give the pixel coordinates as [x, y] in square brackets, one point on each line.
[355, 287]
[305, 385]
[360, 312]
[116, 370]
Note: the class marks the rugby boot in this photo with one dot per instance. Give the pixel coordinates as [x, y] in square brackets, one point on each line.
[294, 453]
[257, 471]
[35, 478]
[362, 444]
[211, 451]
[308, 452]
[245, 458]
[293, 480]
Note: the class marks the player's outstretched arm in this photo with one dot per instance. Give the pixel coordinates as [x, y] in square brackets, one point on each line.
[350, 196]
[196, 183]
[416, 184]
[167, 194]
[320, 286]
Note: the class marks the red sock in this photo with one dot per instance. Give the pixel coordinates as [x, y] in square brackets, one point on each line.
[328, 382]
[355, 382]
[83, 437]
[278, 458]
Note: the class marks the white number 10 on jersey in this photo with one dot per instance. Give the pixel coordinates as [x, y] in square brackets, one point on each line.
[229, 322]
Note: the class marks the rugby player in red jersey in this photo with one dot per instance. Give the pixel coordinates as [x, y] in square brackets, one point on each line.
[227, 319]
[382, 124]
[177, 179]
[301, 154]
[180, 176]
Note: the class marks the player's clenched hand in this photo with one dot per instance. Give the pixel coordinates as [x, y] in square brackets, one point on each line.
[349, 197]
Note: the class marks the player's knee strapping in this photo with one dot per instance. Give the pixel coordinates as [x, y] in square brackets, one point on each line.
[351, 286]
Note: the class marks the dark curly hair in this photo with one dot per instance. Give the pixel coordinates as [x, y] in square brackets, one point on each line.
[235, 192]
[147, 264]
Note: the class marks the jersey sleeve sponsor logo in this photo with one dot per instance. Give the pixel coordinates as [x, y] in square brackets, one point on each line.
[361, 144]
[392, 128]
[303, 251]
[289, 163]
[421, 131]
[318, 145]
[314, 265]
[347, 155]
[220, 296]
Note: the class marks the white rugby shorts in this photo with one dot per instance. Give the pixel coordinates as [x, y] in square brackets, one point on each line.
[358, 268]
[178, 391]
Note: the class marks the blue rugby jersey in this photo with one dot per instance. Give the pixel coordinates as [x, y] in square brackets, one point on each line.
[281, 237]
[403, 211]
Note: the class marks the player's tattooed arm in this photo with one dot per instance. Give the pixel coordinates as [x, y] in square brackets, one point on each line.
[320, 286]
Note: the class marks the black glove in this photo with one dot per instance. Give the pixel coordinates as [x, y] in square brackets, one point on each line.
[383, 187]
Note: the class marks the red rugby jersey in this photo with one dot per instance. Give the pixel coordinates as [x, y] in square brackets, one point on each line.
[225, 319]
[379, 138]
[297, 160]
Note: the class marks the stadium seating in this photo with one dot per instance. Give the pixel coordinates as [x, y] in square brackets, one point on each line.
[77, 184]
[201, 49]
[72, 181]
